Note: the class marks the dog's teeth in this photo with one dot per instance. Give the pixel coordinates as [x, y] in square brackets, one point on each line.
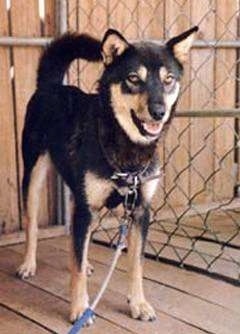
[152, 128]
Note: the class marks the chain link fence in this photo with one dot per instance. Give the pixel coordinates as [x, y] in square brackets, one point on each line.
[195, 220]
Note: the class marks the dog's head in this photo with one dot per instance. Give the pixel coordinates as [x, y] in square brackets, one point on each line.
[142, 82]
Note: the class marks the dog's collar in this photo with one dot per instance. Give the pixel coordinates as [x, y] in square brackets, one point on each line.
[128, 187]
[130, 178]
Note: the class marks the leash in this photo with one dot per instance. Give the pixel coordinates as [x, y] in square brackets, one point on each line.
[89, 312]
[129, 206]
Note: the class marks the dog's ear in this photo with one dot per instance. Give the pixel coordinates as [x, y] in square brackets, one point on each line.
[113, 45]
[181, 44]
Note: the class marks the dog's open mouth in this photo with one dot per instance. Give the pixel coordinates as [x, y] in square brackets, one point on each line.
[147, 127]
[152, 128]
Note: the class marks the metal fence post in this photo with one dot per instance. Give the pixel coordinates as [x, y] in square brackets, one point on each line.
[61, 16]
[63, 192]
[237, 120]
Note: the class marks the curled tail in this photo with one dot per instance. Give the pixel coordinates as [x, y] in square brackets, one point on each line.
[61, 52]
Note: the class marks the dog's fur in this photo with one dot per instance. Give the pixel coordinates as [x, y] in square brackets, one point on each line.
[88, 137]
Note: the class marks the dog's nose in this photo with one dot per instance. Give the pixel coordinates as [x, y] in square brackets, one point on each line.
[157, 110]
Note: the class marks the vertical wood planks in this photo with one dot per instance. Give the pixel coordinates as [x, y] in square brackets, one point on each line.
[9, 211]
[202, 87]
[50, 18]
[177, 19]
[123, 16]
[25, 62]
[225, 86]
[151, 19]
[93, 20]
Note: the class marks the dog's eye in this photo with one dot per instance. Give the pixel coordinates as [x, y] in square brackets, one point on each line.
[169, 83]
[169, 80]
[133, 78]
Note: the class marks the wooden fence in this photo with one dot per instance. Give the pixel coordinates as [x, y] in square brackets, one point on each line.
[210, 70]
[18, 66]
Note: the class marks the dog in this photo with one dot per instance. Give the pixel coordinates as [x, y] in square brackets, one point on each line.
[89, 137]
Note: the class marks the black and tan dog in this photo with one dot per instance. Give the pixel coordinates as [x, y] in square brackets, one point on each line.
[89, 137]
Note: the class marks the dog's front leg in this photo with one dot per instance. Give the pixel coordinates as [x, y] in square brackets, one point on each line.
[81, 234]
[140, 308]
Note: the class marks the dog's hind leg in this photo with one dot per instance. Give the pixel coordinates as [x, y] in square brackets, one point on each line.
[32, 185]
[81, 234]
[140, 308]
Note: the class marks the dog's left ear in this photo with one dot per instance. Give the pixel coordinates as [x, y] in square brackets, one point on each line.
[181, 44]
[113, 45]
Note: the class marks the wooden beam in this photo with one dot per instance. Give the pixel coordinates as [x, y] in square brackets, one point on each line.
[44, 233]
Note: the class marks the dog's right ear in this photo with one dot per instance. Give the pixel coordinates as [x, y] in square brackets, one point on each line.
[113, 45]
[181, 44]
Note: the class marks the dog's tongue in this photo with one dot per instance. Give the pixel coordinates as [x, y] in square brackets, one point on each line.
[152, 128]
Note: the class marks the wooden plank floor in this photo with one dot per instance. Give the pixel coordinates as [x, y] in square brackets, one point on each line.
[185, 302]
[198, 243]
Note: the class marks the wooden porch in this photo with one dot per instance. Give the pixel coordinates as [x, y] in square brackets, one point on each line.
[185, 302]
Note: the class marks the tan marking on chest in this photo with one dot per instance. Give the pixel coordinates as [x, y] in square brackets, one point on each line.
[97, 190]
[150, 187]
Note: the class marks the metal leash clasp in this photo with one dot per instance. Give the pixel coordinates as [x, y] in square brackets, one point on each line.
[132, 184]
[131, 196]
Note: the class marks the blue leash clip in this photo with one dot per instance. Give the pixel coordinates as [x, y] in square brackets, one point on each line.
[78, 325]
[123, 230]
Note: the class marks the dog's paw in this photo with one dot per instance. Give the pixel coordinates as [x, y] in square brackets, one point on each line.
[142, 310]
[26, 270]
[77, 312]
[90, 269]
